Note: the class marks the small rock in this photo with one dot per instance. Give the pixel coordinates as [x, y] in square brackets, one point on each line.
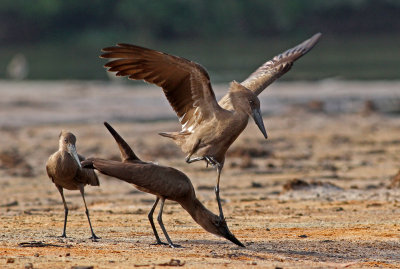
[29, 266]
[256, 185]
[10, 260]
[303, 236]
[14, 203]
[36, 255]
[205, 187]
[271, 165]
[296, 184]
[374, 205]
[173, 262]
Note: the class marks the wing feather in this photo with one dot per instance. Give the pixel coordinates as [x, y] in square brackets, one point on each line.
[186, 84]
[279, 65]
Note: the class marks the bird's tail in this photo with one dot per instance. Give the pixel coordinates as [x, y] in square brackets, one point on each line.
[127, 153]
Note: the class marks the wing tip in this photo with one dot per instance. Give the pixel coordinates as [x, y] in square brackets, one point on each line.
[311, 42]
[317, 35]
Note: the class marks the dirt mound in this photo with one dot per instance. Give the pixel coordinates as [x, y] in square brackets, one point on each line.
[14, 163]
[299, 184]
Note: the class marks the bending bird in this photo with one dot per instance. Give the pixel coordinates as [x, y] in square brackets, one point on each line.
[65, 170]
[165, 183]
[208, 127]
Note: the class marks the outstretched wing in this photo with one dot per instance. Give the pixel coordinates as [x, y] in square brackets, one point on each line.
[279, 65]
[186, 84]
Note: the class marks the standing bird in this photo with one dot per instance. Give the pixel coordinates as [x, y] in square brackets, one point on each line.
[64, 169]
[165, 183]
[208, 127]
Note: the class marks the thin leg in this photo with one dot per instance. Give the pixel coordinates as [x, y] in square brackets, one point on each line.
[60, 189]
[211, 160]
[219, 166]
[152, 223]
[82, 190]
[221, 213]
[159, 219]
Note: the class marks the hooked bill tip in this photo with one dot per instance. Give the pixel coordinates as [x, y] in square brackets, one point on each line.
[259, 122]
[234, 240]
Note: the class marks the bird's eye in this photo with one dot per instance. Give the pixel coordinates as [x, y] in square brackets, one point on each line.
[65, 140]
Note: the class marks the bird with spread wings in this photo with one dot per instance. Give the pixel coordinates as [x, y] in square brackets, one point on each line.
[208, 127]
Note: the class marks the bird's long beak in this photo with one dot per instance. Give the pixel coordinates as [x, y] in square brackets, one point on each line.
[259, 121]
[72, 150]
[233, 239]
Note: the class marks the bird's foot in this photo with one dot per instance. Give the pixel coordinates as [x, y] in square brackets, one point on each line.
[63, 236]
[211, 160]
[94, 238]
[175, 245]
[188, 160]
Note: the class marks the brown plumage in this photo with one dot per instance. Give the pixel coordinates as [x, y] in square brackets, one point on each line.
[208, 127]
[64, 169]
[165, 183]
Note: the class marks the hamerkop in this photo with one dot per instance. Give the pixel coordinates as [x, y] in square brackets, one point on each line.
[165, 183]
[208, 127]
[65, 170]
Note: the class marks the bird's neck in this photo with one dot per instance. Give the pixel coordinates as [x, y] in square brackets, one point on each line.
[238, 104]
[62, 147]
[200, 214]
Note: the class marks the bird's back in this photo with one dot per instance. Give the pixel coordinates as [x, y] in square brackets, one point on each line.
[148, 177]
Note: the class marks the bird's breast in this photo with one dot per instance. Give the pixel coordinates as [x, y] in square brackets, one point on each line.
[64, 169]
[216, 138]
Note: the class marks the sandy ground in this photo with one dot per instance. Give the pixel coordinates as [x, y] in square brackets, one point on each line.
[341, 214]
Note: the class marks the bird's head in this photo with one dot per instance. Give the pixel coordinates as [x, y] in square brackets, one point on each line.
[245, 100]
[67, 142]
[219, 227]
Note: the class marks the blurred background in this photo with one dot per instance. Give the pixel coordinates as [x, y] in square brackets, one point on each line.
[56, 39]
